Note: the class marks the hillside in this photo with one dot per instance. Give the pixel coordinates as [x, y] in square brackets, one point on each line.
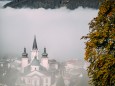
[70, 4]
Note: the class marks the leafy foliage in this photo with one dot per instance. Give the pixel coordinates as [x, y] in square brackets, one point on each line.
[100, 46]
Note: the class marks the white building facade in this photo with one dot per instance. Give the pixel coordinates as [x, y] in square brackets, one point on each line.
[35, 71]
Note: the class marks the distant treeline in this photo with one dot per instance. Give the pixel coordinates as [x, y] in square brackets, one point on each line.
[6, 0]
[71, 4]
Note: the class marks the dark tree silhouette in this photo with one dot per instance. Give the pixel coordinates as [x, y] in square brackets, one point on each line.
[100, 46]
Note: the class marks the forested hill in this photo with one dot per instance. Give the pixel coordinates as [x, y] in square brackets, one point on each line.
[71, 4]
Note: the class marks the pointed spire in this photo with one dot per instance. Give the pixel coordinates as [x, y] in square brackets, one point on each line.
[44, 49]
[24, 54]
[34, 43]
[24, 50]
[44, 54]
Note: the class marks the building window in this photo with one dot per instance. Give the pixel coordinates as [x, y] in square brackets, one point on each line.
[1, 65]
[23, 81]
[46, 80]
[29, 80]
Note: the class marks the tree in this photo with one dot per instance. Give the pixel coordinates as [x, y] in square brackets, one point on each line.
[100, 46]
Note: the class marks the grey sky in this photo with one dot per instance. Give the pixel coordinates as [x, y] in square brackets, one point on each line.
[58, 30]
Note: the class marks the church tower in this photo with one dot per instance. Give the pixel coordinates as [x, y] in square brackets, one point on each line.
[34, 52]
[44, 59]
[25, 59]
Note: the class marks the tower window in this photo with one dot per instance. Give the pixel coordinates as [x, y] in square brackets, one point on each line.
[46, 80]
[1, 65]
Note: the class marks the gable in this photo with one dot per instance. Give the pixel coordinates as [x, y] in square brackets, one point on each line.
[35, 73]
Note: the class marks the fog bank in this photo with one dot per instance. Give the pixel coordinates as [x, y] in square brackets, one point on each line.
[59, 30]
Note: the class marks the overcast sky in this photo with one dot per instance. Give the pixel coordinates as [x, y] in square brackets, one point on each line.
[58, 30]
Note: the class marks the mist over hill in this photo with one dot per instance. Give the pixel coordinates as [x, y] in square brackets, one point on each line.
[70, 4]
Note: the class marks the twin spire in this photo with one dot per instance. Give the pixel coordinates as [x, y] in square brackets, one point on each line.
[34, 48]
[24, 54]
[44, 54]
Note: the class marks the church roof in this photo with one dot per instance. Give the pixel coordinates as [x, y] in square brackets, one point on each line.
[42, 70]
[37, 73]
[44, 54]
[34, 43]
[35, 62]
[27, 69]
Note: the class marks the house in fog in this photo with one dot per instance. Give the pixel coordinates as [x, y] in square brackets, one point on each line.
[36, 71]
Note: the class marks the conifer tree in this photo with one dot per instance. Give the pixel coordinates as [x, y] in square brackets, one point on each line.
[100, 46]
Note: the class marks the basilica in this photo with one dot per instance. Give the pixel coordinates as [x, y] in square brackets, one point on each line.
[38, 71]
